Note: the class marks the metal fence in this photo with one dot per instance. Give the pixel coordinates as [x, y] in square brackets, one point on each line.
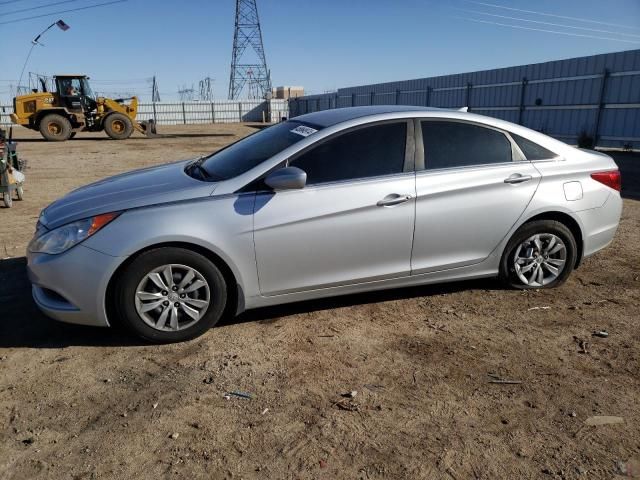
[187, 113]
[596, 96]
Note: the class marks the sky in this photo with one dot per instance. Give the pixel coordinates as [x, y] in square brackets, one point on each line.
[322, 45]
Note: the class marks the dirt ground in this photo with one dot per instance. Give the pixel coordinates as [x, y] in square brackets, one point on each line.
[84, 403]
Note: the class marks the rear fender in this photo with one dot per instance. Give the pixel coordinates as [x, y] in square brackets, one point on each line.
[42, 113]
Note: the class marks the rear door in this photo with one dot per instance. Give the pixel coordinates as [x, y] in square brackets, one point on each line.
[472, 185]
[353, 221]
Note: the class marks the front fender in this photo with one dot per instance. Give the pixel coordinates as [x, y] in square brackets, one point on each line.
[221, 225]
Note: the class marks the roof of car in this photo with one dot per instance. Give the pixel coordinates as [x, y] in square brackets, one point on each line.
[326, 118]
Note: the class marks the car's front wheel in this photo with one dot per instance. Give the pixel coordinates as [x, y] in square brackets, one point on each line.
[541, 254]
[170, 295]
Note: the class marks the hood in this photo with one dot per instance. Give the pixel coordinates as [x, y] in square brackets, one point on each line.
[139, 188]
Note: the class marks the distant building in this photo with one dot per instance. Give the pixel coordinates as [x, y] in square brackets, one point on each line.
[287, 92]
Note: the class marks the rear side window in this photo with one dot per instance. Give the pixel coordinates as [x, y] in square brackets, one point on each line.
[456, 144]
[367, 152]
[532, 150]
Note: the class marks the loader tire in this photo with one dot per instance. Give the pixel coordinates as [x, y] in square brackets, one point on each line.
[118, 126]
[55, 128]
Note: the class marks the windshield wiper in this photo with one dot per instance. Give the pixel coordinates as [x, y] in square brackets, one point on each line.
[203, 173]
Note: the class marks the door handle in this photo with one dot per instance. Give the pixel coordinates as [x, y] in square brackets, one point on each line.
[393, 199]
[517, 178]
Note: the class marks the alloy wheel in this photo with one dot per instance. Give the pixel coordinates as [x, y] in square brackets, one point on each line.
[172, 297]
[540, 259]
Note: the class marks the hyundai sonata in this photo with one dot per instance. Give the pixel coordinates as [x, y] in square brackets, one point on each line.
[328, 203]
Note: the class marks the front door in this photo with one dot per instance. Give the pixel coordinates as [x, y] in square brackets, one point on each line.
[352, 223]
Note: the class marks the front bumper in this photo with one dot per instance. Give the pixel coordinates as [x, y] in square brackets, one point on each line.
[71, 287]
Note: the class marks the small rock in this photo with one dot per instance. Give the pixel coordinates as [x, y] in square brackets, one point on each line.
[601, 334]
[323, 464]
[124, 414]
[265, 411]
[28, 441]
[622, 467]
[174, 436]
[547, 471]
[350, 394]
[155, 405]
[573, 414]
[209, 380]
[107, 380]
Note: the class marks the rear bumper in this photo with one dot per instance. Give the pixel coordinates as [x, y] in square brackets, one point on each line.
[71, 287]
[600, 224]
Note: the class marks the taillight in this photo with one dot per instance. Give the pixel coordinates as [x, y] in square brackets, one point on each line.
[611, 179]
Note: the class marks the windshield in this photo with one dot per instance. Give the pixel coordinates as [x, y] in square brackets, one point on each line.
[86, 89]
[245, 154]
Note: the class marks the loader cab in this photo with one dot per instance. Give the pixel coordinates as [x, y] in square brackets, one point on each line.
[75, 93]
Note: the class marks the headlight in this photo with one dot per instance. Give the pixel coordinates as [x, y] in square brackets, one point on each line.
[63, 238]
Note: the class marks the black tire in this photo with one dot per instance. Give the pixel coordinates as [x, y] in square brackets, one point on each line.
[135, 272]
[118, 126]
[508, 273]
[55, 128]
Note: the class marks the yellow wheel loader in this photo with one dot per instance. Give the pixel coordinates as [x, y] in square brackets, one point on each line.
[73, 108]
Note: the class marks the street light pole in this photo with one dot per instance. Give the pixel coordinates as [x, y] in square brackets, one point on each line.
[61, 25]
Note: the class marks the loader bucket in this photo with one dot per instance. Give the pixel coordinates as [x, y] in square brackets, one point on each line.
[149, 128]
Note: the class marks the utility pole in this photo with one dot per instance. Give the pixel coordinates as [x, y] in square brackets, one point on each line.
[248, 34]
[155, 94]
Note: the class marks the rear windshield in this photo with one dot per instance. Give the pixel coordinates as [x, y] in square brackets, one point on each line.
[249, 152]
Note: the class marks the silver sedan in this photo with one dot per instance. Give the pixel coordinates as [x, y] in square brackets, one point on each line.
[329, 203]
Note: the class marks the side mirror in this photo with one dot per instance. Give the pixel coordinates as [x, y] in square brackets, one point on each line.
[288, 178]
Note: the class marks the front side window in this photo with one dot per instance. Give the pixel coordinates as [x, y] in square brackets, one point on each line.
[450, 144]
[71, 87]
[366, 152]
[251, 151]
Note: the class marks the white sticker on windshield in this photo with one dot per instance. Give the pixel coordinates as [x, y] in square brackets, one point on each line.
[304, 131]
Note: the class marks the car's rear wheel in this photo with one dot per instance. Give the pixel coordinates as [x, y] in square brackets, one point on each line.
[170, 295]
[541, 254]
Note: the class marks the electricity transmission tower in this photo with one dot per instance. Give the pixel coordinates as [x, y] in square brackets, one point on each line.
[186, 94]
[206, 89]
[248, 34]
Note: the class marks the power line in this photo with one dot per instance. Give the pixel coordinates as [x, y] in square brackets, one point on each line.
[539, 22]
[9, 1]
[578, 19]
[39, 6]
[61, 11]
[545, 30]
